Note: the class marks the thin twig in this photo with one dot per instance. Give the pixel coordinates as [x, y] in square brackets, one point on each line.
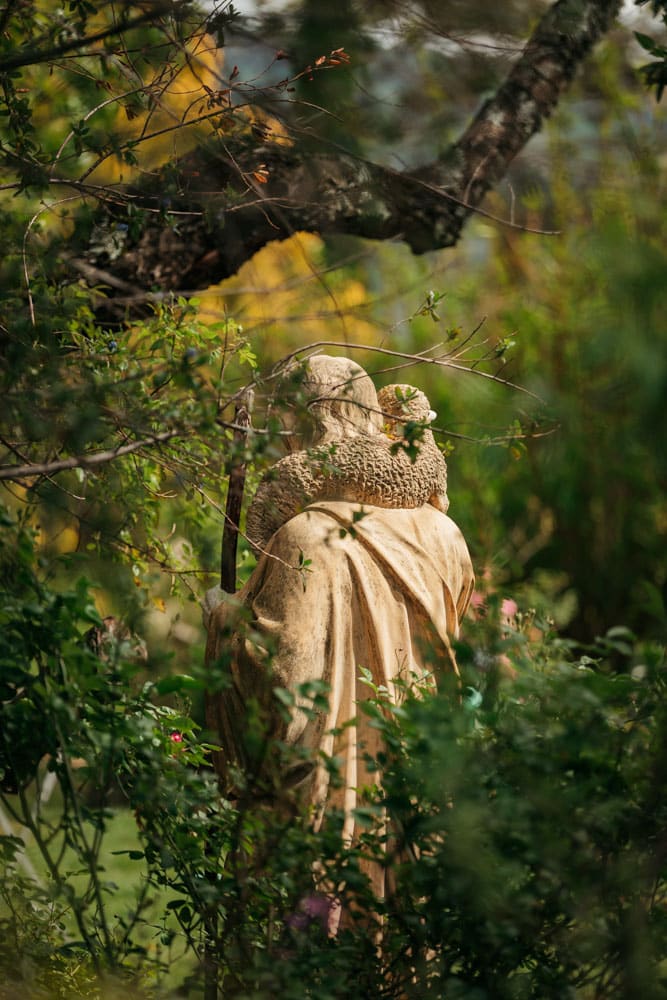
[442, 363]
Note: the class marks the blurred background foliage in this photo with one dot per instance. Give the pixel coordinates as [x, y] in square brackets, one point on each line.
[559, 485]
[564, 518]
[561, 498]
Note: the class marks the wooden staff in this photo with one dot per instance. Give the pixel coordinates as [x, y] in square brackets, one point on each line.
[236, 471]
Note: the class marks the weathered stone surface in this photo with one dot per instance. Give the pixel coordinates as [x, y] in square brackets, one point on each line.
[356, 456]
[341, 585]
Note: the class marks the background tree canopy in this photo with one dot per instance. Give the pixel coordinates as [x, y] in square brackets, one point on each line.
[150, 151]
[191, 193]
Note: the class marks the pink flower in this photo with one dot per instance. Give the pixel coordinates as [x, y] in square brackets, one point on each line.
[508, 609]
[176, 737]
[315, 909]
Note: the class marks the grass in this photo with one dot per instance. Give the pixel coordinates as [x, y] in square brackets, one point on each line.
[120, 881]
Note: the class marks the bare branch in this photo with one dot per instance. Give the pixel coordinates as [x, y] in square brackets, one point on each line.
[32, 470]
[441, 362]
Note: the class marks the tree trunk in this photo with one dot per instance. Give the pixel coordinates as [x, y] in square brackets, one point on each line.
[219, 213]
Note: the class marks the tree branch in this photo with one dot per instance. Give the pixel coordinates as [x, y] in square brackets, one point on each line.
[222, 215]
[563, 38]
[31, 471]
[28, 56]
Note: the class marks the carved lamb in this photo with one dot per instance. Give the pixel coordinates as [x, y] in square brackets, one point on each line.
[370, 467]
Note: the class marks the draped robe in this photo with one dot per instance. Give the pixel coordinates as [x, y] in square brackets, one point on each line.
[340, 587]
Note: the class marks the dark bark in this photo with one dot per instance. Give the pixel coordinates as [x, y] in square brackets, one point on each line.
[201, 228]
[235, 489]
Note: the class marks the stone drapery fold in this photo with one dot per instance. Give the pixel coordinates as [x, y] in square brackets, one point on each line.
[384, 590]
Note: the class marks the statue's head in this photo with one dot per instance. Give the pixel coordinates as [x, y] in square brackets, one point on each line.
[340, 399]
[343, 400]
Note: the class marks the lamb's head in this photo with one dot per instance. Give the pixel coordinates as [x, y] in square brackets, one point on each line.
[402, 403]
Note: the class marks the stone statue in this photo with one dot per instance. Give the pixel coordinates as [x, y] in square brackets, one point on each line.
[360, 567]
[356, 456]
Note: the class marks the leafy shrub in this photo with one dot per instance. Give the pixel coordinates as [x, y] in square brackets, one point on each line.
[521, 822]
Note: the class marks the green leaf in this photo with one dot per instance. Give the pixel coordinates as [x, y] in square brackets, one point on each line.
[647, 42]
[177, 682]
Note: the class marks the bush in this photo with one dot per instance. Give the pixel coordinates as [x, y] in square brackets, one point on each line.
[522, 825]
